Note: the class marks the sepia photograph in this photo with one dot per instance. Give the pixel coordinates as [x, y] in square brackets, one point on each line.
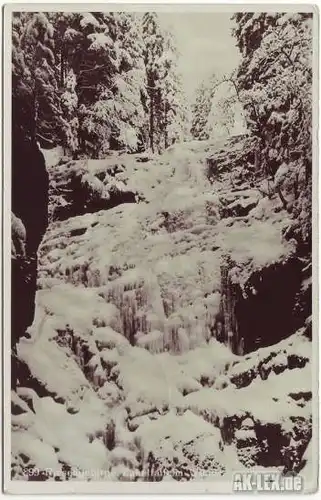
[160, 199]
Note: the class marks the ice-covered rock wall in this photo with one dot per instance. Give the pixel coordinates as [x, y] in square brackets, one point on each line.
[134, 307]
[198, 258]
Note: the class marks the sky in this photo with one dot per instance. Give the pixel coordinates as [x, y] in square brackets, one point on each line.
[205, 43]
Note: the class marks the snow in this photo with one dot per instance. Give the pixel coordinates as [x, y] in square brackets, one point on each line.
[257, 243]
[52, 427]
[88, 19]
[140, 397]
[52, 156]
[266, 401]
[153, 341]
[99, 40]
[124, 456]
[110, 393]
[176, 248]
[177, 429]
[39, 452]
[86, 308]
[207, 361]
[107, 337]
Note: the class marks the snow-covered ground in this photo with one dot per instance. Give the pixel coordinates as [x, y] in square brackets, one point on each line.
[127, 377]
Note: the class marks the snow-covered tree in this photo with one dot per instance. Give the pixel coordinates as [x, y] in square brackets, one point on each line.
[226, 116]
[275, 79]
[153, 51]
[104, 51]
[217, 111]
[166, 101]
[175, 108]
[36, 44]
[200, 112]
[126, 105]
[99, 81]
[275, 84]
[70, 122]
[65, 38]
[23, 115]
[92, 58]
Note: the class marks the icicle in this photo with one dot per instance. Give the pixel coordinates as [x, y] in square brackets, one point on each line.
[176, 337]
[137, 296]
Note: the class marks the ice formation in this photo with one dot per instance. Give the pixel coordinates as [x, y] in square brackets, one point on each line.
[129, 369]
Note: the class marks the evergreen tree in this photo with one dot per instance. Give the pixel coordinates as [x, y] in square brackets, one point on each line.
[217, 111]
[200, 111]
[104, 52]
[36, 43]
[93, 61]
[175, 108]
[275, 79]
[153, 51]
[275, 84]
[98, 81]
[65, 38]
[126, 107]
[23, 116]
[202, 107]
[167, 105]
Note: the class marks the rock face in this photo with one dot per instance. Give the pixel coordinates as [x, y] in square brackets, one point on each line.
[259, 312]
[265, 302]
[29, 223]
[87, 186]
[240, 163]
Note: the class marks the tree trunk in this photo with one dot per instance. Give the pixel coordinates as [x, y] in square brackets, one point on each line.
[283, 200]
[165, 126]
[62, 68]
[151, 117]
[228, 304]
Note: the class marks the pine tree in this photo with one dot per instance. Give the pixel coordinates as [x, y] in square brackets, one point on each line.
[167, 104]
[200, 111]
[104, 51]
[23, 116]
[92, 57]
[36, 43]
[174, 102]
[153, 51]
[65, 38]
[128, 85]
[275, 78]
[98, 81]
